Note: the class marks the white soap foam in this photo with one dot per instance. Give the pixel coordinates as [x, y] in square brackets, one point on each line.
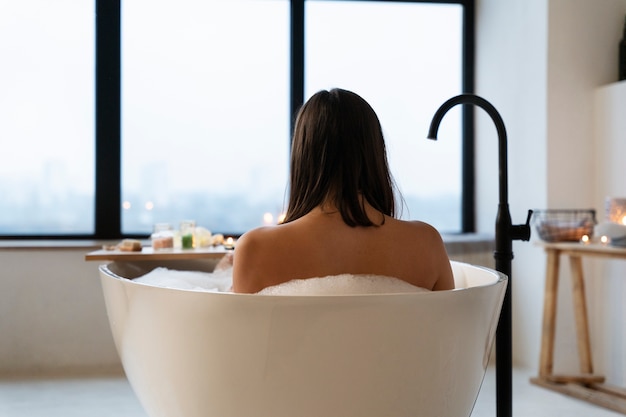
[221, 281]
[218, 281]
[343, 284]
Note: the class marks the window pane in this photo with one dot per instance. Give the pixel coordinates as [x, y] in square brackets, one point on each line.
[47, 117]
[405, 60]
[205, 112]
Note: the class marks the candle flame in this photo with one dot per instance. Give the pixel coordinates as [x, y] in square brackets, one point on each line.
[268, 218]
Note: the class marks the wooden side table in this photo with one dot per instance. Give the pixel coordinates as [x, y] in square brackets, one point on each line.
[586, 385]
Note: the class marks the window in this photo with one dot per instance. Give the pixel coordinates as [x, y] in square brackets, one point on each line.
[205, 112]
[46, 117]
[405, 60]
[201, 126]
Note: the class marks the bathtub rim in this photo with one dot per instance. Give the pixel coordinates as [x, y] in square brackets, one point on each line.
[501, 277]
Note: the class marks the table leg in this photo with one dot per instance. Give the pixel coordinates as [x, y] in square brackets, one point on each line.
[580, 314]
[549, 313]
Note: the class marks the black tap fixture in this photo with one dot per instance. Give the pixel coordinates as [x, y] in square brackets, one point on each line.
[505, 234]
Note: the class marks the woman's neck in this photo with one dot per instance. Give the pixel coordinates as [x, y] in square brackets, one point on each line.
[329, 208]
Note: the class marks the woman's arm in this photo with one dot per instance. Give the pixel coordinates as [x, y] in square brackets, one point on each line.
[440, 262]
[446, 279]
[243, 281]
[253, 262]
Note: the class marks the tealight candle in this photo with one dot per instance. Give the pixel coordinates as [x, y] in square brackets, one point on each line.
[604, 240]
[229, 243]
[585, 239]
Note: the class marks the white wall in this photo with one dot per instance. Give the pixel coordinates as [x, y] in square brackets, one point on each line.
[511, 73]
[538, 62]
[583, 55]
[610, 146]
[52, 313]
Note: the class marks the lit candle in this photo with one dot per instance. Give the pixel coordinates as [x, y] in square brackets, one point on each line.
[229, 243]
[268, 219]
[585, 239]
[604, 239]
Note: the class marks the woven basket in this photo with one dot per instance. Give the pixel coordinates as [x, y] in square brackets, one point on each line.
[564, 225]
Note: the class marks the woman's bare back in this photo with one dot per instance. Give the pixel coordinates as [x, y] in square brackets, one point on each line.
[320, 244]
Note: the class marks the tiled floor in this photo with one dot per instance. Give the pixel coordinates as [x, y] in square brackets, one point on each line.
[113, 397]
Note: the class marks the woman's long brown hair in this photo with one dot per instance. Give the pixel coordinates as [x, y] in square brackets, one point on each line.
[338, 156]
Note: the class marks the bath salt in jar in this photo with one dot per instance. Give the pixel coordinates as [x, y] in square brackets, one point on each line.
[162, 236]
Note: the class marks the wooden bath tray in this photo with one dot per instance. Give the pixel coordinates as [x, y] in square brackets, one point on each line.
[148, 254]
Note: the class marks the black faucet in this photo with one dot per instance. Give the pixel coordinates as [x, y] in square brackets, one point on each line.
[505, 234]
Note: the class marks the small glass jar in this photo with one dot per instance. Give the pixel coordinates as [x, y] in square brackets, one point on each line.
[162, 237]
[187, 234]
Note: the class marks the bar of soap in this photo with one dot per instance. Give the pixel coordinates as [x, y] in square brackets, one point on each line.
[129, 245]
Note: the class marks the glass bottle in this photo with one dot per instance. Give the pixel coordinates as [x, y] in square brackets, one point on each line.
[187, 234]
[162, 236]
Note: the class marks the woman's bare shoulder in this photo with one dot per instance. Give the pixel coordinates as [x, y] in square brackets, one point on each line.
[260, 257]
[426, 240]
[249, 258]
[252, 236]
[264, 238]
[422, 229]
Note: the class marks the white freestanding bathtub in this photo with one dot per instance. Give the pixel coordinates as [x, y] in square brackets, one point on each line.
[203, 354]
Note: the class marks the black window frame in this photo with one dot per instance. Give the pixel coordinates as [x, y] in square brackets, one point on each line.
[108, 207]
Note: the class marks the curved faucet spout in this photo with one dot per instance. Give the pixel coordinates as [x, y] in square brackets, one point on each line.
[497, 119]
[505, 234]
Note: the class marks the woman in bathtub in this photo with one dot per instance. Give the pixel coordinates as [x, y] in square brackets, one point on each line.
[340, 217]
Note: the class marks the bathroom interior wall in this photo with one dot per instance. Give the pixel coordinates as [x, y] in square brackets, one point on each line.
[538, 62]
[52, 314]
[541, 71]
[583, 52]
[53, 317]
[511, 72]
[610, 146]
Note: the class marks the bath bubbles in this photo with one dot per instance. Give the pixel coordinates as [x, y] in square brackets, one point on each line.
[343, 284]
[222, 280]
[218, 281]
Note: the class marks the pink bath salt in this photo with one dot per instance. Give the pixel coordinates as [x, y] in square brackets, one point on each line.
[165, 242]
